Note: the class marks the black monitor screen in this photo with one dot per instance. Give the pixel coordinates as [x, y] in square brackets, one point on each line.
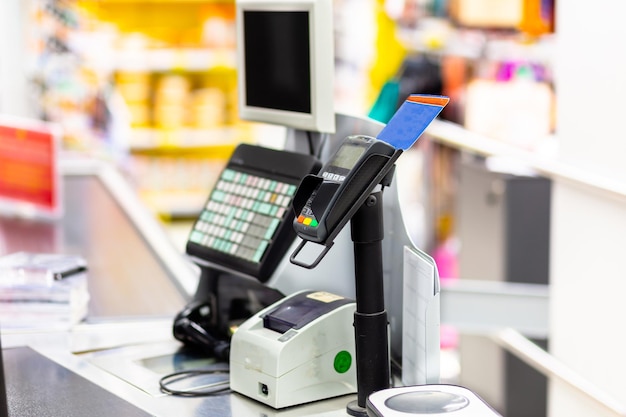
[277, 60]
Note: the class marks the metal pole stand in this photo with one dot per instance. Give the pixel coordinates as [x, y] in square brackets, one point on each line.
[370, 318]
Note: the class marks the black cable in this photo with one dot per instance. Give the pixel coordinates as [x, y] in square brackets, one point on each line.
[323, 140]
[214, 388]
[310, 138]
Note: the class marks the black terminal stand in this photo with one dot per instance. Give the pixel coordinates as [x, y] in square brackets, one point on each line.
[355, 198]
[222, 300]
[370, 318]
[199, 324]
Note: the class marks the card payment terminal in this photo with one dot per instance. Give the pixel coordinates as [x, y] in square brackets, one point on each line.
[325, 202]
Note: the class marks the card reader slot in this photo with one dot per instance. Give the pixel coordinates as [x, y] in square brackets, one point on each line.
[305, 189]
[323, 196]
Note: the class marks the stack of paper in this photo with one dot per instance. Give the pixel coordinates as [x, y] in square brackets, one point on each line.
[42, 290]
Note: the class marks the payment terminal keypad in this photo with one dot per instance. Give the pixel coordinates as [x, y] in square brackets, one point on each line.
[306, 216]
[242, 214]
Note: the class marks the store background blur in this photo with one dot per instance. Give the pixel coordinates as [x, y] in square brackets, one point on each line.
[150, 85]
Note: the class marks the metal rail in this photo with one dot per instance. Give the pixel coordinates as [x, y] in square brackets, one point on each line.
[549, 166]
[181, 268]
[551, 367]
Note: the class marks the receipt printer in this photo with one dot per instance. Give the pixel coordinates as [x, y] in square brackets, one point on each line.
[298, 350]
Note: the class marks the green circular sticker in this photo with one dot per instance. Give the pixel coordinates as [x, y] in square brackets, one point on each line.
[343, 361]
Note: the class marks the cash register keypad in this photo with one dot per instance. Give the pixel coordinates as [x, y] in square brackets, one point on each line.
[242, 214]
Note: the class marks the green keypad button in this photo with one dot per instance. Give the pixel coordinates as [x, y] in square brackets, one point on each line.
[218, 196]
[196, 236]
[264, 208]
[228, 174]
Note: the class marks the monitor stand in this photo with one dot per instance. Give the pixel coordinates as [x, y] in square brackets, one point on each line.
[308, 142]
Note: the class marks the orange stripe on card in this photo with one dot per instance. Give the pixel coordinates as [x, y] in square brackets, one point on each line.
[435, 100]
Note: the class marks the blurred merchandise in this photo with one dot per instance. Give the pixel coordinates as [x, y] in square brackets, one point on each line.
[493, 59]
[532, 17]
[487, 13]
[538, 17]
[417, 73]
[135, 89]
[208, 108]
[42, 290]
[23, 269]
[69, 90]
[354, 54]
[175, 185]
[150, 85]
[170, 101]
[455, 72]
[517, 108]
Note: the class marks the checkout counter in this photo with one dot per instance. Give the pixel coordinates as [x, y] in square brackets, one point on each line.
[111, 363]
[137, 282]
[99, 227]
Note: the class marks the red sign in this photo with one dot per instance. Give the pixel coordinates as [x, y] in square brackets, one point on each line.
[28, 166]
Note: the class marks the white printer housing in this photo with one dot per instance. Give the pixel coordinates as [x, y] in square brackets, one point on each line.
[298, 350]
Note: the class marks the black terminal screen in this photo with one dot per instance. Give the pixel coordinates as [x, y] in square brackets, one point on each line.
[277, 60]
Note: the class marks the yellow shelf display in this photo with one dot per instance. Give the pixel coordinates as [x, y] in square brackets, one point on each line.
[173, 64]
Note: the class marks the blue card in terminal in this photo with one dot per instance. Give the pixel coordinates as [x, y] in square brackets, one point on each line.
[411, 120]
